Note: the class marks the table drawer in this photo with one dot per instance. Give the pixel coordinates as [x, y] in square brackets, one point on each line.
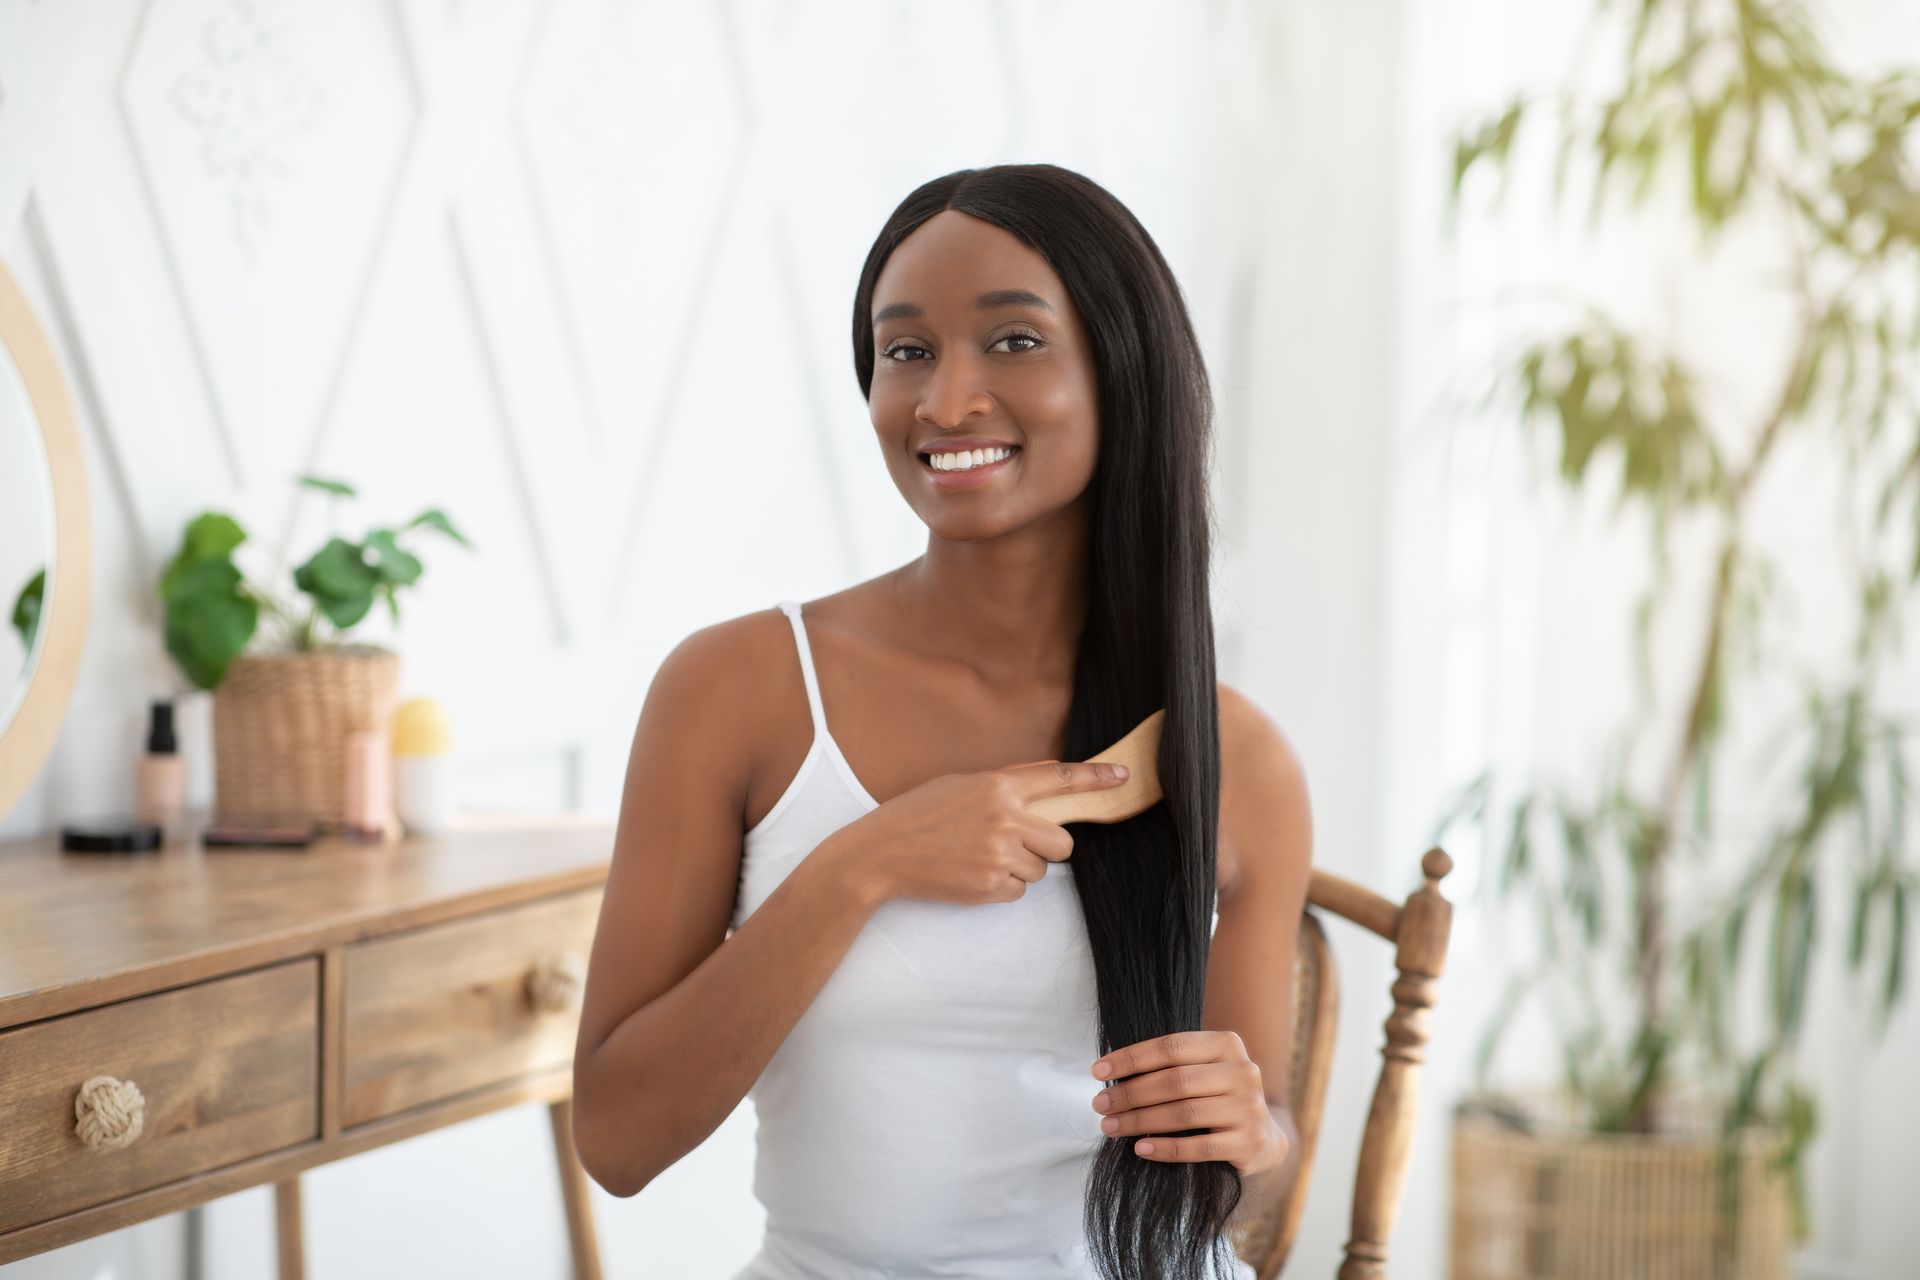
[221, 1071]
[449, 1008]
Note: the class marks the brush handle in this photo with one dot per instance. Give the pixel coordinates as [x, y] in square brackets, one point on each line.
[1140, 752]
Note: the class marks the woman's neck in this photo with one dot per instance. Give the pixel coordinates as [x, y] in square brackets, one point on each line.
[1009, 613]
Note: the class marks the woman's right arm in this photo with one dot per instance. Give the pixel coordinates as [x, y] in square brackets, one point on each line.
[674, 1026]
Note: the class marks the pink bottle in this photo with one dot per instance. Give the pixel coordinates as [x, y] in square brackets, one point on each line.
[160, 776]
[369, 799]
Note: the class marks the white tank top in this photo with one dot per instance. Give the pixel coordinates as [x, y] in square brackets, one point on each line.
[931, 1113]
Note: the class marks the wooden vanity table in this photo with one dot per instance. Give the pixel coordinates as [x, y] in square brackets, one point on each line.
[278, 1009]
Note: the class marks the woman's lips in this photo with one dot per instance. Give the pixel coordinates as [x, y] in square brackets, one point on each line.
[972, 477]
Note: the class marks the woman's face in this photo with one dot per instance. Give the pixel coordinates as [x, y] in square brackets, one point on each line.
[957, 363]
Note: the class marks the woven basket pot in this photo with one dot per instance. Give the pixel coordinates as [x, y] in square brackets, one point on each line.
[280, 726]
[1557, 1202]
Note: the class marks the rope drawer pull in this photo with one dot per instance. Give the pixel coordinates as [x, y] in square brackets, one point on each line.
[554, 983]
[108, 1113]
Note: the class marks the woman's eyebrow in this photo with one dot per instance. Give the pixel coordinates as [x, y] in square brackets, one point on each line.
[993, 298]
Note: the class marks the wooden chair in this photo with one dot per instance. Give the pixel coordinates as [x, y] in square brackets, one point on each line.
[1418, 931]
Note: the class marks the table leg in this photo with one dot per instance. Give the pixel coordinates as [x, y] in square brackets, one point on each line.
[194, 1263]
[574, 1190]
[287, 1230]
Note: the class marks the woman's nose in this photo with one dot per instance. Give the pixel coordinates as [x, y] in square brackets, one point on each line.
[956, 391]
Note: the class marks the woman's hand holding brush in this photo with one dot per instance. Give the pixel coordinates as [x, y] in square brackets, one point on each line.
[984, 837]
[970, 838]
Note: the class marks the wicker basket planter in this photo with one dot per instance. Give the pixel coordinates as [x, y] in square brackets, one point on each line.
[280, 726]
[1552, 1201]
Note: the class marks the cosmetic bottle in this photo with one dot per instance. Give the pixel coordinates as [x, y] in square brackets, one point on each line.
[422, 767]
[160, 775]
[369, 798]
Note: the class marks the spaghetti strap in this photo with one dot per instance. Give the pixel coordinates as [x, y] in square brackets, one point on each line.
[792, 609]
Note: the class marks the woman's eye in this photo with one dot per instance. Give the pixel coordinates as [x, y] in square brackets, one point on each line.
[1032, 339]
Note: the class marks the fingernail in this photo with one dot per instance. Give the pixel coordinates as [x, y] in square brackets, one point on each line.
[1102, 1070]
[1144, 1148]
[1120, 772]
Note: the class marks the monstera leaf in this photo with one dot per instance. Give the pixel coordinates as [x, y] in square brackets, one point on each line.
[210, 616]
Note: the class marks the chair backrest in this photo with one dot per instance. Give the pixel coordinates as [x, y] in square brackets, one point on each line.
[1264, 1241]
[1419, 931]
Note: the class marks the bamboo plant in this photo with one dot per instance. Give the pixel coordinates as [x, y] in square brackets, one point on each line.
[1730, 112]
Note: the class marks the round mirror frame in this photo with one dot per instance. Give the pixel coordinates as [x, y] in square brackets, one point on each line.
[26, 740]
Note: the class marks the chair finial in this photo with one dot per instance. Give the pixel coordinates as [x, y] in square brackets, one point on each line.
[1436, 864]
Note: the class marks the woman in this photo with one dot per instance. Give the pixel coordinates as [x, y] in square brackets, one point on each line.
[923, 980]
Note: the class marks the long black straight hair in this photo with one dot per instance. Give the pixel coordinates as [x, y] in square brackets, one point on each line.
[1147, 884]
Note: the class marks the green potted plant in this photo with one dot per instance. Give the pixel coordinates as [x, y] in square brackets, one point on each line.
[1672, 1142]
[283, 708]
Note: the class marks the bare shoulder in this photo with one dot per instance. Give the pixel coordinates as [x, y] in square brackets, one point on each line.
[728, 640]
[734, 670]
[1266, 820]
[1249, 731]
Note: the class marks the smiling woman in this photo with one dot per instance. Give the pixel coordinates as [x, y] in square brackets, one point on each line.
[866, 930]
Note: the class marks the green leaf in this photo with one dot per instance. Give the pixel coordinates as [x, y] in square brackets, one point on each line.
[1643, 645]
[1646, 1065]
[1896, 950]
[1857, 933]
[339, 569]
[1730, 938]
[1518, 845]
[1492, 140]
[26, 609]
[209, 536]
[1583, 887]
[393, 565]
[1800, 1118]
[1792, 948]
[1706, 126]
[1469, 804]
[340, 582]
[208, 620]
[434, 518]
[1702, 800]
[338, 487]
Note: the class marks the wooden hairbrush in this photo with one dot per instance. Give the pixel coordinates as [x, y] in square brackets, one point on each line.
[1140, 752]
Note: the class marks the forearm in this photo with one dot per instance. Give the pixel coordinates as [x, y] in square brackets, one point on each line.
[673, 1070]
[1261, 1191]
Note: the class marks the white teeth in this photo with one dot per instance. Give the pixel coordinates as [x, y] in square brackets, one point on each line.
[966, 461]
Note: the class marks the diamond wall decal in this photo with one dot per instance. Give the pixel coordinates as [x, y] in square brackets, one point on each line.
[633, 120]
[271, 137]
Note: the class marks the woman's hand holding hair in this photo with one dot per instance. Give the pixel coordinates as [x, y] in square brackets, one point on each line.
[1191, 1080]
[968, 837]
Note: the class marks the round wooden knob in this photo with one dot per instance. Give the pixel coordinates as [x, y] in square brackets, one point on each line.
[1435, 865]
[554, 984]
[108, 1113]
